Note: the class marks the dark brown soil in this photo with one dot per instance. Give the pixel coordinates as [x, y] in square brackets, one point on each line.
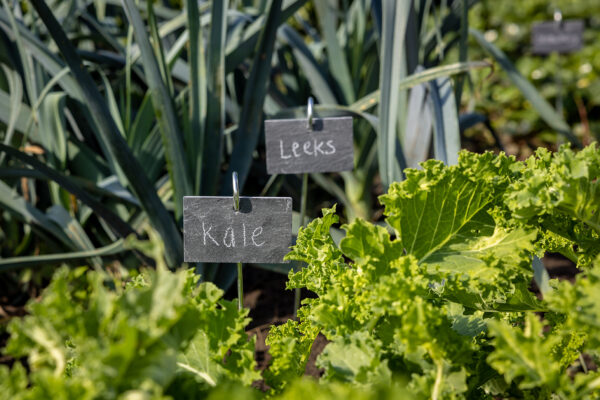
[560, 267]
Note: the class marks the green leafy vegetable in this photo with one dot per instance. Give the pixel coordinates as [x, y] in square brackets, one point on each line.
[562, 190]
[436, 305]
[95, 336]
[441, 299]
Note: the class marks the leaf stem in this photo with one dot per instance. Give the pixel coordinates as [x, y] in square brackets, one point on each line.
[201, 374]
[438, 382]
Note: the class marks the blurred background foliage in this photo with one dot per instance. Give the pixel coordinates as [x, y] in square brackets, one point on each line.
[111, 111]
[570, 79]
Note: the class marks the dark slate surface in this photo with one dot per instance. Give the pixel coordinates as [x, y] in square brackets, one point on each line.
[261, 232]
[293, 148]
[561, 37]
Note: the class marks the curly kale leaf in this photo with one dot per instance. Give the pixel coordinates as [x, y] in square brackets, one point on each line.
[220, 350]
[444, 217]
[317, 249]
[93, 336]
[560, 192]
[533, 359]
[289, 345]
[525, 354]
[441, 300]
[307, 388]
[356, 358]
[380, 315]
[580, 303]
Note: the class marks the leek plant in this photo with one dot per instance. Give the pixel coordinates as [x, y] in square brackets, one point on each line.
[112, 110]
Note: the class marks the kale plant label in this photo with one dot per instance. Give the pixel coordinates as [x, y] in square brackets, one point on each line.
[293, 148]
[560, 37]
[260, 232]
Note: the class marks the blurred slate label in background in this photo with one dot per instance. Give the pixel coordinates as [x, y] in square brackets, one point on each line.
[294, 148]
[260, 232]
[560, 37]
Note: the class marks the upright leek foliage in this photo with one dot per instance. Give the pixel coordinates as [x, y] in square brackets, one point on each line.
[124, 146]
[136, 114]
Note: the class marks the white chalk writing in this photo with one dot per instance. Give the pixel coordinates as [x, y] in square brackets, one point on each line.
[207, 233]
[313, 147]
[255, 235]
[229, 236]
[229, 232]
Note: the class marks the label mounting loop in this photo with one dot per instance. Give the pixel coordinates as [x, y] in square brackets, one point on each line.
[236, 191]
[309, 113]
[557, 16]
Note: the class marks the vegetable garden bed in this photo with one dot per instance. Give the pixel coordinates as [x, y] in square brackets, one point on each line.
[472, 276]
[438, 306]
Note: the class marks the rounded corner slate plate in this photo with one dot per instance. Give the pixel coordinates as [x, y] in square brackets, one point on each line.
[292, 148]
[560, 37]
[260, 232]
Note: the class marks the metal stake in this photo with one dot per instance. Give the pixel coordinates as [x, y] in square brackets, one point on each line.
[236, 207]
[304, 193]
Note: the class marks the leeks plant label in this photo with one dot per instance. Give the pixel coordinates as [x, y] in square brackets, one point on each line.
[294, 148]
[213, 231]
[557, 37]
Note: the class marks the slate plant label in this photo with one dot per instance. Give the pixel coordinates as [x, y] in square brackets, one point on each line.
[560, 37]
[260, 232]
[292, 148]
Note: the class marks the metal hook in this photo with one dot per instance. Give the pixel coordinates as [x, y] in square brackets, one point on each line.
[236, 191]
[309, 113]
